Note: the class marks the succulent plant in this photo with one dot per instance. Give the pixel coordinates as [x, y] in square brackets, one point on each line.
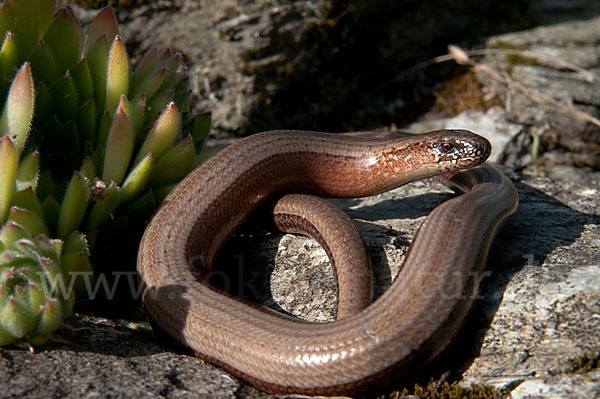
[103, 147]
[34, 298]
[35, 293]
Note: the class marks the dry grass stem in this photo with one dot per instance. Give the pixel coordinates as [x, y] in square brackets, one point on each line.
[462, 57]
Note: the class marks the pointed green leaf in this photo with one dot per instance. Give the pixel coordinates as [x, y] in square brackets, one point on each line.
[104, 128]
[29, 171]
[16, 319]
[29, 220]
[51, 211]
[183, 86]
[73, 205]
[21, 295]
[97, 58]
[9, 61]
[26, 199]
[77, 266]
[144, 68]
[19, 17]
[175, 164]
[36, 296]
[44, 10]
[97, 158]
[88, 169]
[162, 135]
[50, 318]
[165, 56]
[47, 247]
[118, 74]
[9, 161]
[45, 187]
[157, 104]
[18, 110]
[138, 112]
[11, 259]
[119, 148]
[149, 85]
[125, 105]
[86, 123]
[201, 129]
[182, 100]
[65, 98]
[83, 80]
[137, 180]
[75, 243]
[52, 270]
[175, 62]
[64, 38]
[57, 245]
[5, 337]
[104, 24]
[44, 65]
[12, 232]
[172, 79]
[27, 249]
[43, 105]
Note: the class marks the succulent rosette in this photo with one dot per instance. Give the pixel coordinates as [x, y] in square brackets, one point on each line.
[35, 293]
[86, 141]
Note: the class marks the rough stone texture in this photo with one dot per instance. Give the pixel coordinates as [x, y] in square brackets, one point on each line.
[92, 357]
[552, 141]
[322, 64]
[546, 303]
[538, 315]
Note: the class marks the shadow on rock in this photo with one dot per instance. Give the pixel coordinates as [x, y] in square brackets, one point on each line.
[541, 225]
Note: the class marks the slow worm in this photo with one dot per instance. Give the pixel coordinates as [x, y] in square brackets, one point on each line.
[338, 235]
[407, 326]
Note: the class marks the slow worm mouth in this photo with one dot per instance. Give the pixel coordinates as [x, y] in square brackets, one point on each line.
[404, 325]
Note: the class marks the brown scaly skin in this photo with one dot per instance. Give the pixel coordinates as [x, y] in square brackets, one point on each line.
[411, 323]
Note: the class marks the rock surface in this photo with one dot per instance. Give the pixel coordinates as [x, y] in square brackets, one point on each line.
[320, 65]
[559, 63]
[532, 334]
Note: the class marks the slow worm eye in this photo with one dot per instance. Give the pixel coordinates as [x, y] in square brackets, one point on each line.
[446, 146]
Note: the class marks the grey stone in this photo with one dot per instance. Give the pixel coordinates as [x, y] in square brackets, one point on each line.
[319, 64]
[553, 141]
[572, 33]
[538, 314]
[92, 357]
